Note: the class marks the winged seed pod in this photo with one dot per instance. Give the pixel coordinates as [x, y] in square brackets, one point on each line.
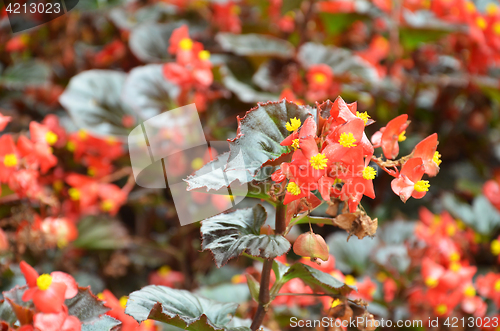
[311, 245]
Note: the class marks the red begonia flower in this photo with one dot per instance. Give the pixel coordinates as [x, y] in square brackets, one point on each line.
[389, 136]
[426, 150]
[408, 183]
[48, 292]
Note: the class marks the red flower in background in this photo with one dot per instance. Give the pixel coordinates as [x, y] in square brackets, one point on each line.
[57, 321]
[491, 190]
[226, 16]
[118, 311]
[320, 82]
[166, 277]
[4, 120]
[48, 292]
[9, 160]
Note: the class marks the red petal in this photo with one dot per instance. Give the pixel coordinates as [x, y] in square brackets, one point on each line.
[28, 294]
[413, 169]
[50, 300]
[68, 280]
[308, 146]
[29, 273]
[389, 140]
[308, 128]
[72, 323]
[49, 322]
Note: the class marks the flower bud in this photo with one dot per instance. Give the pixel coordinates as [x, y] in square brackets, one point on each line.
[311, 245]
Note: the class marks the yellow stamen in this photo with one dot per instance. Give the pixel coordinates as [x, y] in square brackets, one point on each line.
[318, 161]
[111, 140]
[497, 285]
[74, 194]
[294, 124]
[91, 171]
[71, 146]
[451, 230]
[10, 160]
[164, 271]
[43, 282]
[335, 303]
[350, 280]
[107, 205]
[123, 301]
[437, 158]
[204, 55]
[369, 173]
[237, 279]
[82, 134]
[319, 78]
[186, 44]
[293, 188]
[441, 309]
[454, 257]
[431, 282]
[51, 138]
[364, 116]
[197, 163]
[491, 9]
[347, 140]
[495, 247]
[496, 28]
[295, 144]
[402, 136]
[100, 296]
[455, 266]
[470, 291]
[471, 8]
[422, 186]
[481, 23]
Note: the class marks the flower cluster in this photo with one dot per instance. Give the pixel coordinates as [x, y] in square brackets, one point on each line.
[447, 271]
[335, 157]
[192, 70]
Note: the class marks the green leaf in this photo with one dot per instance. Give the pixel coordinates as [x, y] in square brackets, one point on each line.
[260, 133]
[353, 255]
[482, 216]
[316, 279]
[342, 61]
[252, 44]
[25, 74]
[243, 91]
[258, 143]
[85, 305]
[148, 92]
[24, 311]
[179, 308]
[338, 22]
[103, 323]
[101, 233]
[227, 292]
[253, 286]
[93, 99]
[230, 234]
[149, 42]
[7, 314]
